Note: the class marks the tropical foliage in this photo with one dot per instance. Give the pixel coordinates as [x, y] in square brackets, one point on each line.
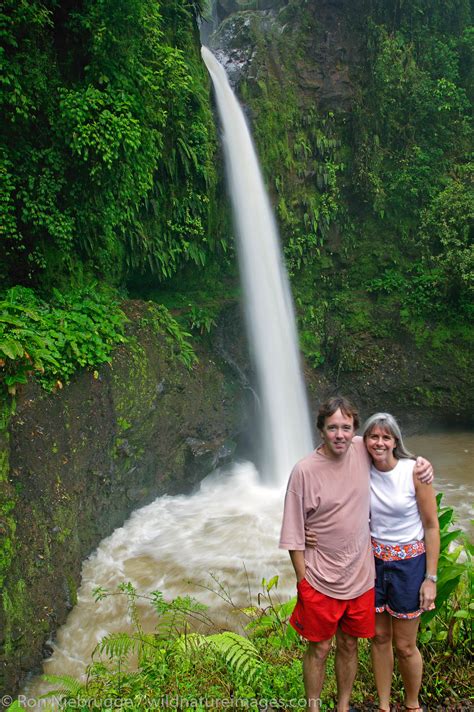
[178, 666]
[371, 173]
[54, 339]
[107, 153]
[108, 158]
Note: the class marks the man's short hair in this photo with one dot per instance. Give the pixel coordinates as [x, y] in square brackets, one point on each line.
[330, 406]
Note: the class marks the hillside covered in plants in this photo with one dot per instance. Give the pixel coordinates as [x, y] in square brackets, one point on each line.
[113, 195]
[112, 178]
[362, 118]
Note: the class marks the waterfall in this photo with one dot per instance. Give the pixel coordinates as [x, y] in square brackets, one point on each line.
[286, 430]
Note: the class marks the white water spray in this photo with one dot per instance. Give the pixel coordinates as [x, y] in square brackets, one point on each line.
[229, 527]
[268, 307]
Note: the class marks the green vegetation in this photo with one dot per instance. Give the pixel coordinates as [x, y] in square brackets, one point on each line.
[450, 620]
[108, 165]
[53, 339]
[160, 321]
[195, 298]
[110, 168]
[373, 188]
[200, 669]
[109, 172]
[411, 163]
[108, 150]
[295, 144]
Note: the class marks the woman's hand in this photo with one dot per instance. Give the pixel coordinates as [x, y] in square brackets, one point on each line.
[427, 595]
[310, 538]
[423, 470]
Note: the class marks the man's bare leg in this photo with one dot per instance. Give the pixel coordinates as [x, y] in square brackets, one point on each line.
[346, 668]
[314, 668]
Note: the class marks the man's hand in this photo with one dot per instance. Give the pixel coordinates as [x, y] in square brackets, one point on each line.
[424, 470]
[310, 538]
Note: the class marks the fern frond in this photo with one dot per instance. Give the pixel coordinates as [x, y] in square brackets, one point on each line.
[122, 645]
[170, 624]
[148, 648]
[118, 645]
[190, 642]
[69, 686]
[239, 653]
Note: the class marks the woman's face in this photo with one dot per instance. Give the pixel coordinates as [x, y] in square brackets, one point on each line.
[380, 445]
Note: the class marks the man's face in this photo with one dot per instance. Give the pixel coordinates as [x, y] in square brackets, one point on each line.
[337, 434]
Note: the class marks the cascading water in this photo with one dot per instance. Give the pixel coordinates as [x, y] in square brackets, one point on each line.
[268, 306]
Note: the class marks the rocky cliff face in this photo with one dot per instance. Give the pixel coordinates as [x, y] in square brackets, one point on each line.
[255, 40]
[82, 459]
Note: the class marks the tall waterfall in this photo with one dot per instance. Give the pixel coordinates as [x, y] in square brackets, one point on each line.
[268, 306]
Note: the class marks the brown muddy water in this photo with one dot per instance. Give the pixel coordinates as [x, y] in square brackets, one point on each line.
[216, 543]
[452, 455]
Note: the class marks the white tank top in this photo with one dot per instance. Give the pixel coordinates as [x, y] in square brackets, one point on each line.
[394, 514]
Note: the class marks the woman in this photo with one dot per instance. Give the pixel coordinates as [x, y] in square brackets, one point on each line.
[405, 538]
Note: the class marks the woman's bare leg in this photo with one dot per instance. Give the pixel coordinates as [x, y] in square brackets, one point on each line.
[409, 657]
[382, 658]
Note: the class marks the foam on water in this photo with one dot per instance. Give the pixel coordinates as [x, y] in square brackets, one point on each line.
[229, 527]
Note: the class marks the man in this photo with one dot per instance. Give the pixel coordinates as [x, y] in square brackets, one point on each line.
[328, 492]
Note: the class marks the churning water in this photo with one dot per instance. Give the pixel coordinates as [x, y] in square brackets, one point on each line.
[229, 528]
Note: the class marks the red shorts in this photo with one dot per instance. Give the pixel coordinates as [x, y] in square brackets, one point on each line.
[316, 616]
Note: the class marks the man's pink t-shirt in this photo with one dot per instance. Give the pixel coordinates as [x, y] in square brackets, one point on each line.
[332, 496]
